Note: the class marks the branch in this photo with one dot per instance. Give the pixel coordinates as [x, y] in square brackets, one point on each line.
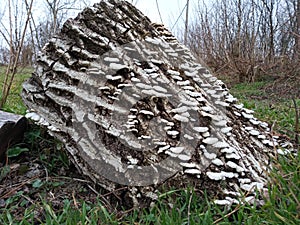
[3, 34]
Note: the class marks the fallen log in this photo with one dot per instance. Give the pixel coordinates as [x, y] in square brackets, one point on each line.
[138, 113]
[12, 128]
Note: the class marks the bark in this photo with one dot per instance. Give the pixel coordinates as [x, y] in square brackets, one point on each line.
[297, 32]
[138, 113]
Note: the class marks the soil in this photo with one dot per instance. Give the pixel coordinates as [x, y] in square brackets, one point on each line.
[44, 175]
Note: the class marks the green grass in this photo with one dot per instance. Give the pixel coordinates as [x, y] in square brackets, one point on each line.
[279, 112]
[31, 205]
[174, 207]
[14, 102]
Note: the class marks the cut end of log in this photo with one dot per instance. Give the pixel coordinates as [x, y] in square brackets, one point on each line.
[12, 128]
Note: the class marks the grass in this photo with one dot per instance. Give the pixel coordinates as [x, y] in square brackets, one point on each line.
[14, 102]
[57, 194]
[279, 112]
[174, 207]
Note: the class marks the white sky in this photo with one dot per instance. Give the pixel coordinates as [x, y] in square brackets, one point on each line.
[169, 9]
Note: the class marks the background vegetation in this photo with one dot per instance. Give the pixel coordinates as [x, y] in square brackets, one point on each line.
[248, 40]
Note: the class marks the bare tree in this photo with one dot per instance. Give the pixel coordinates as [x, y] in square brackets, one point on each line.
[60, 9]
[248, 39]
[39, 30]
[56, 11]
[15, 41]
[296, 30]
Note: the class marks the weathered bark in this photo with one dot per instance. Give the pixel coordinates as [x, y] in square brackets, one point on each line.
[12, 128]
[137, 112]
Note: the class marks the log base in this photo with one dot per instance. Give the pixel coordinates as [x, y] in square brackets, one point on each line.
[12, 128]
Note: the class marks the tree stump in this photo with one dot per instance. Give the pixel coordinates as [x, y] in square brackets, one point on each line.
[138, 113]
[12, 128]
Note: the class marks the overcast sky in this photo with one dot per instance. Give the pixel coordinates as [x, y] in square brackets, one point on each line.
[169, 10]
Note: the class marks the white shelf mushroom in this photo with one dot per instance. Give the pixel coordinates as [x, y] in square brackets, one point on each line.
[192, 171]
[110, 77]
[146, 112]
[247, 116]
[162, 149]
[201, 129]
[110, 59]
[116, 66]
[181, 118]
[188, 165]
[254, 132]
[210, 140]
[177, 150]
[173, 132]
[217, 162]
[221, 144]
[184, 157]
[226, 130]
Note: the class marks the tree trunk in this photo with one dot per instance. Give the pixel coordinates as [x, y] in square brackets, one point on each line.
[139, 114]
[297, 31]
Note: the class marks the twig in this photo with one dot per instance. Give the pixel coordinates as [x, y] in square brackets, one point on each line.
[74, 200]
[70, 178]
[46, 174]
[229, 214]
[29, 199]
[101, 196]
[272, 134]
[236, 208]
[113, 192]
[297, 130]
[8, 194]
[189, 208]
